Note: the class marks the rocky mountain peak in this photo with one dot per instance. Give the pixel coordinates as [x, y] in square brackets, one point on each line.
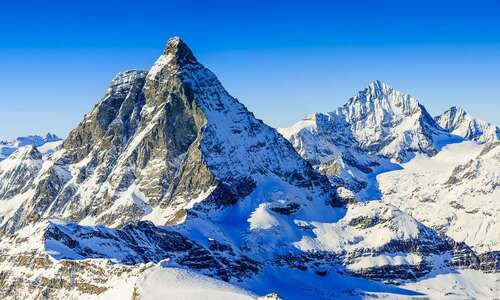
[174, 58]
[389, 122]
[376, 124]
[179, 51]
[383, 100]
[50, 137]
[457, 121]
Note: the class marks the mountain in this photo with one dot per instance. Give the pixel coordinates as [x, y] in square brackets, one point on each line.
[47, 144]
[376, 126]
[446, 187]
[171, 146]
[457, 121]
[158, 143]
[378, 120]
[170, 186]
[384, 146]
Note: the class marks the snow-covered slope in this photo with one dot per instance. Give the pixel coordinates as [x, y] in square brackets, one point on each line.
[47, 143]
[457, 121]
[457, 192]
[31, 269]
[384, 145]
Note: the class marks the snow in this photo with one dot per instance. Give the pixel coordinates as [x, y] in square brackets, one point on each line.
[385, 260]
[8, 207]
[458, 122]
[170, 283]
[159, 215]
[131, 196]
[462, 284]
[236, 147]
[467, 210]
[47, 143]
[308, 123]
[372, 133]
[49, 147]
[261, 218]
[340, 236]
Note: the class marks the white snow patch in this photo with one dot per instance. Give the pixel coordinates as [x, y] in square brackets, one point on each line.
[261, 218]
[384, 260]
[171, 283]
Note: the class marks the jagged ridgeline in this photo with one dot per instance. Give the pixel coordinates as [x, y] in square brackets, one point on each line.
[159, 143]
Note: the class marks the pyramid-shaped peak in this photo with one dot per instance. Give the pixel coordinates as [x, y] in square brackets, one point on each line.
[175, 56]
[179, 50]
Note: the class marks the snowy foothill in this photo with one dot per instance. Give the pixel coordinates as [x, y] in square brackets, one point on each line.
[455, 191]
[171, 283]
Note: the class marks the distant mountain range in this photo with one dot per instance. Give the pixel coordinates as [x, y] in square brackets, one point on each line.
[170, 187]
[9, 147]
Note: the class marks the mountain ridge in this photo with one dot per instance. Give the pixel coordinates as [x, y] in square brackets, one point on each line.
[457, 121]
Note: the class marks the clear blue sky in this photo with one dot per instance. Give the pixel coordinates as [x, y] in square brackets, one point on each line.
[283, 59]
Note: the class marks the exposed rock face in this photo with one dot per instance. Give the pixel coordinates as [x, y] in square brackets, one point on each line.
[143, 243]
[465, 257]
[457, 121]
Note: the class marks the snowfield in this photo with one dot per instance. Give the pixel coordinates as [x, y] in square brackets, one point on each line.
[169, 283]
[456, 191]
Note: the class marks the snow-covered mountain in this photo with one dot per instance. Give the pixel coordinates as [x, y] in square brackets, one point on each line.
[376, 129]
[383, 146]
[158, 143]
[457, 121]
[169, 146]
[378, 120]
[170, 186]
[45, 144]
